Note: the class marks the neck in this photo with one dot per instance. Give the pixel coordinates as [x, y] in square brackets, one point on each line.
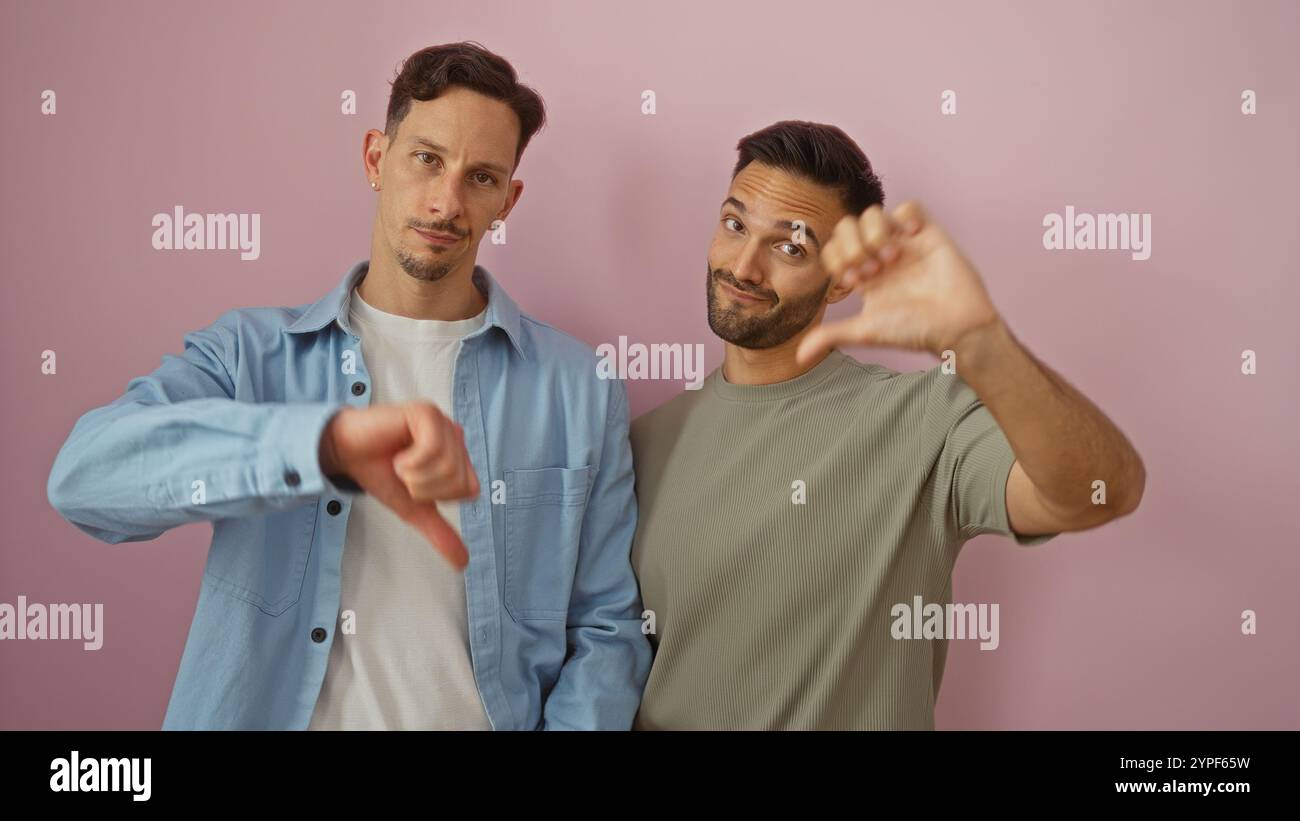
[764, 366]
[390, 289]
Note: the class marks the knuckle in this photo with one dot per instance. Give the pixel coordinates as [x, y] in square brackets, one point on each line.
[428, 411]
[420, 490]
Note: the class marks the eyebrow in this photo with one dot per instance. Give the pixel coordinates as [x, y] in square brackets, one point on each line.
[783, 224]
[491, 166]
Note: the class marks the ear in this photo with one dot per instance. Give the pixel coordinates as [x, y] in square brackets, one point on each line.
[838, 291]
[373, 147]
[516, 191]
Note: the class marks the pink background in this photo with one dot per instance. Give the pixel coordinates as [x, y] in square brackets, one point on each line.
[1110, 107]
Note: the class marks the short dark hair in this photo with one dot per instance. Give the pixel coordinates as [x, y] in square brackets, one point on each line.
[429, 72]
[821, 153]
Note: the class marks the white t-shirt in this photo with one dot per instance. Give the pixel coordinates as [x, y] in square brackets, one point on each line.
[407, 665]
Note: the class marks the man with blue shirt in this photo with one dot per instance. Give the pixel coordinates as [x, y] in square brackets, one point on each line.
[331, 444]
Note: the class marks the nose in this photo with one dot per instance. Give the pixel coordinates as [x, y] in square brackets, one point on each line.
[746, 266]
[446, 199]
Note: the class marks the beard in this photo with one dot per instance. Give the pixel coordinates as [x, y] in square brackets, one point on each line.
[427, 269]
[765, 329]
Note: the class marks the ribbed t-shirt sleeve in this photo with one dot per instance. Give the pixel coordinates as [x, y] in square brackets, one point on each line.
[977, 458]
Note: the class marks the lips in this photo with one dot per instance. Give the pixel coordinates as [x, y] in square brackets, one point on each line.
[439, 239]
[743, 296]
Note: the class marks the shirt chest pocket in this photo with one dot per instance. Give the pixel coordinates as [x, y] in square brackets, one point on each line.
[263, 559]
[544, 508]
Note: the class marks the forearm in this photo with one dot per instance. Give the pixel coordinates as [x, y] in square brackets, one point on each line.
[609, 658]
[131, 470]
[600, 685]
[1062, 440]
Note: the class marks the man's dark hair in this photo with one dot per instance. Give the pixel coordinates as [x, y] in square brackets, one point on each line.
[821, 153]
[429, 72]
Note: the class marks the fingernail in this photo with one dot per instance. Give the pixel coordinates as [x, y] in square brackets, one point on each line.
[871, 266]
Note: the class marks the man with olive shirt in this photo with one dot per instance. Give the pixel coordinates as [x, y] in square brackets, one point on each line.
[787, 506]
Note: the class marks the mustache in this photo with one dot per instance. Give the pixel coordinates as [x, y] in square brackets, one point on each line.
[727, 277]
[441, 228]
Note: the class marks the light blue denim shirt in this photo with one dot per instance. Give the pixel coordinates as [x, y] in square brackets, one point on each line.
[554, 609]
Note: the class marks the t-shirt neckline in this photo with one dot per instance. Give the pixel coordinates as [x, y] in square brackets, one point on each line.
[433, 330]
[776, 390]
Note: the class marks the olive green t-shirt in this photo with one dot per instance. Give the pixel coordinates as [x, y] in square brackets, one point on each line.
[780, 524]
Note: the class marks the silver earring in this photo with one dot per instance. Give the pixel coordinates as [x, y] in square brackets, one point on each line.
[374, 185]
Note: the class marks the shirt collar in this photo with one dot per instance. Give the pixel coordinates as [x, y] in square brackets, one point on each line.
[502, 312]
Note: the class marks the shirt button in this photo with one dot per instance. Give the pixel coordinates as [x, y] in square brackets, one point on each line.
[358, 388]
[333, 507]
[318, 634]
[291, 478]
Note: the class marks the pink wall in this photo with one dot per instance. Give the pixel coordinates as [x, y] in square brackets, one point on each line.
[1109, 107]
